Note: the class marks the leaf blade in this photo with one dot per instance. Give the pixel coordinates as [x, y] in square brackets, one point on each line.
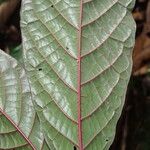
[100, 45]
[18, 120]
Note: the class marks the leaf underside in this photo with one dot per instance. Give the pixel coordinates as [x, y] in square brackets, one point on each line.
[57, 36]
[77, 55]
[19, 124]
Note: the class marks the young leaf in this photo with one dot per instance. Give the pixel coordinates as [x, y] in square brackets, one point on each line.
[19, 124]
[78, 56]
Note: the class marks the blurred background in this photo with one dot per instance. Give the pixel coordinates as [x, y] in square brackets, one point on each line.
[133, 129]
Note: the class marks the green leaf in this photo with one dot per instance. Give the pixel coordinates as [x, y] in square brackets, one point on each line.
[19, 125]
[16, 52]
[78, 54]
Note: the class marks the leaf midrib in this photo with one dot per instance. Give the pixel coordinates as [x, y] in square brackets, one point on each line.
[18, 129]
[80, 140]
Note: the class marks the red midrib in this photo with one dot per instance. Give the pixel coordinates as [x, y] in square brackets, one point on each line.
[18, 129]
[79, 78]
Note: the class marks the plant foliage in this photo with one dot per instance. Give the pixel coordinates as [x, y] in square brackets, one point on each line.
[77, 58]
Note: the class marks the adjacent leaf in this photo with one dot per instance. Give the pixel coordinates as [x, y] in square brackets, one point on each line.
[19, 124]
[78, 56]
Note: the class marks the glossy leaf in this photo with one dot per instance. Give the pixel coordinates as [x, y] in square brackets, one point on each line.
[19, 124]
[78, 57]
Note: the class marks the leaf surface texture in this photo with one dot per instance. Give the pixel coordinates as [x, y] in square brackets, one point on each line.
[78, 58]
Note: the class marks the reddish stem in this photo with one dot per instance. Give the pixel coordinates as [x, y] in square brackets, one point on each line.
[18, 129]
[79, 79]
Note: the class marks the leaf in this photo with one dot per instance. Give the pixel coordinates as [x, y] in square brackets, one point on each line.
[78, 57]
[16, 52]
[19, 124]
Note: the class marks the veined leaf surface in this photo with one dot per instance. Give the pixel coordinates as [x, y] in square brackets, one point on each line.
[78, 56]
[19, 124]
